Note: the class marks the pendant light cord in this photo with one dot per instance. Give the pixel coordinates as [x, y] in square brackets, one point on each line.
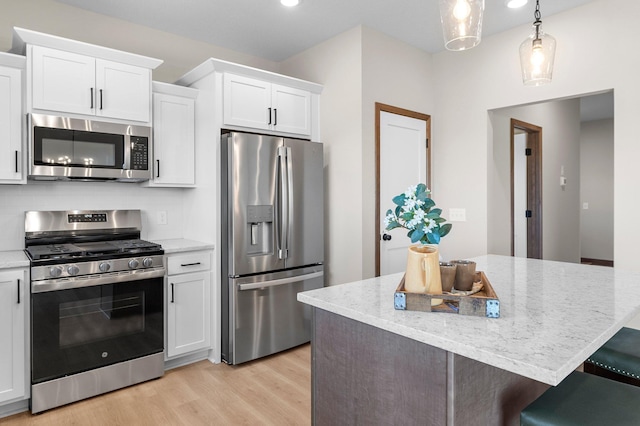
[538, 21]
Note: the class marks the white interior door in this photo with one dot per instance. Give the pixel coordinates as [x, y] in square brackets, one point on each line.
[519, 195]
[403, 162]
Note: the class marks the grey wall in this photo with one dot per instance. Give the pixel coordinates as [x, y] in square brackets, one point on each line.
[560, 122]
[596, 189]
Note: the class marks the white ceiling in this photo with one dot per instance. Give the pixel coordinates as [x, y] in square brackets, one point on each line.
[266, 29]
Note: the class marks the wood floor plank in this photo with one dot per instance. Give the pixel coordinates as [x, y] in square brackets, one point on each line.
[271, 391]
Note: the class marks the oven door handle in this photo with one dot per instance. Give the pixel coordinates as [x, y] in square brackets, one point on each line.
[93, 280]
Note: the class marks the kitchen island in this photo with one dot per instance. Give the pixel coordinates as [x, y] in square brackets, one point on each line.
[372, 364]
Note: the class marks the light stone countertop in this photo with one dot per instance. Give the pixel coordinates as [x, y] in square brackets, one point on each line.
[553, 315]
[13, 259]
[180, 245]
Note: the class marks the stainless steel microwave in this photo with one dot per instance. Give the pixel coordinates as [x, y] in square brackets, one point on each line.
[63, 148]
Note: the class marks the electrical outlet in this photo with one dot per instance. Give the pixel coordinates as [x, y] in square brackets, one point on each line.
[162, 217]
[457, 215]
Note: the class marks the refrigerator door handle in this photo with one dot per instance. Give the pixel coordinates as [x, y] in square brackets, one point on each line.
[281, 281]
[289, 202]
[283, 202]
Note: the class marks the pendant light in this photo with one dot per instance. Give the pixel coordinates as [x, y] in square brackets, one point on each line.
[537, 53]
[461, 23]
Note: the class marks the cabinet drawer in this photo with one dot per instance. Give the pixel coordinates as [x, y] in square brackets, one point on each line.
[188, 262]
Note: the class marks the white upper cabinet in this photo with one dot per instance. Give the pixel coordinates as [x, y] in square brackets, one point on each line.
[11, 146]
[74, 78]
[62, 81]
[292, 109]
[123, 91]
[78, 84]
[249, 102]
[173, 136]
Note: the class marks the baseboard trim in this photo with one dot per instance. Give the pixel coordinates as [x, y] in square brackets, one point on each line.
[598, 262]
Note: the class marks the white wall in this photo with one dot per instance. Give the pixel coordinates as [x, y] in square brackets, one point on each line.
[596, 181]
[400, 75]
[337, 64]
[596, 45]
[358, 68]
[560, 122]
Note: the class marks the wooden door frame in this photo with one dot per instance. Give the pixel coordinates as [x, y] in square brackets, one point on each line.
[407, 113]
[534, 187]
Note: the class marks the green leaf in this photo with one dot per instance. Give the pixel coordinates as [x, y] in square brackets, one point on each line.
[433, 238]
[444, 229]
[398, 210]
[439, 220]
[392, 225]
[437, 211]
[399, 200]
[417, 235]
[433, 215]
[388, 212]
[428, 203]
[407, 216]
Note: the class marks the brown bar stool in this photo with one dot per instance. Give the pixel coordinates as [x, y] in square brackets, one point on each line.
[619, 358]
[585, 400]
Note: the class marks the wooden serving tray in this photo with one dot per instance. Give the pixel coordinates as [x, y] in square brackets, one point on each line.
[484, 303]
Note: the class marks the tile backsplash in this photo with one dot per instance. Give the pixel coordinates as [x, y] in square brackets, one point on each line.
[16, 199]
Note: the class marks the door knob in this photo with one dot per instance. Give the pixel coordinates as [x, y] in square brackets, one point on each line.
[386, 237]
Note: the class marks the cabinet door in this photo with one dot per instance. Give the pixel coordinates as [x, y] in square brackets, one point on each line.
[291, 110]
[122, 91]
[11, 152]
[12, 335]
[62, 81]
[173, 140]
[188, 313]
[247, 102]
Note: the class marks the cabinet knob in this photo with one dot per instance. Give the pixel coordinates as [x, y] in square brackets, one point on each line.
[386, 237]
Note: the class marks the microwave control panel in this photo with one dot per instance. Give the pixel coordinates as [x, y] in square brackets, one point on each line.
[139, 153]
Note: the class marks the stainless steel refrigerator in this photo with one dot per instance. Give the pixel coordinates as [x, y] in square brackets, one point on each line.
[272, 242]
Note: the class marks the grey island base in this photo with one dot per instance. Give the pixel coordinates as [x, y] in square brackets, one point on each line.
[374, 365]
[363, 375]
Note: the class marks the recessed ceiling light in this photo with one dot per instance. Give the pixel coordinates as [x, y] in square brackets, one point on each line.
[290, 3]
[513, 4]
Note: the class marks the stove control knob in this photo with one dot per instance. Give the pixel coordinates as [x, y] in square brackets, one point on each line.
[147, 262]
[104, 267]
[55, 271]
[133, 263]
[73, 270]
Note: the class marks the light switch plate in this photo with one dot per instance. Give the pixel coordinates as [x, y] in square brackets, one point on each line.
[457, 215]
[162, 217]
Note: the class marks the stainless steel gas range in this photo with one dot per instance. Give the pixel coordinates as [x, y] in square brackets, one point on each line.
[96, 304]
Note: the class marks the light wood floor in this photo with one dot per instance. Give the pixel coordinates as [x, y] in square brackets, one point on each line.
[271, 391]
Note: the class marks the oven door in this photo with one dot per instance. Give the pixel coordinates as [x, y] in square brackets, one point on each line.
[78, 329]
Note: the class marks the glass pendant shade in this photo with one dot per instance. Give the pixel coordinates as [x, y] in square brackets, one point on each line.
[537, 53]
[461, 23]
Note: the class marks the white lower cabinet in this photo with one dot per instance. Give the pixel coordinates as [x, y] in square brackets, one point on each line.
[188, 295]
[13, 334]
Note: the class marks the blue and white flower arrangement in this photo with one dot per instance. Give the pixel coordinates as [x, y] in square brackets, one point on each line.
[416, 212]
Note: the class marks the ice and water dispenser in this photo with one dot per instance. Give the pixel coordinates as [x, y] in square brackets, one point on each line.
[260, 224]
